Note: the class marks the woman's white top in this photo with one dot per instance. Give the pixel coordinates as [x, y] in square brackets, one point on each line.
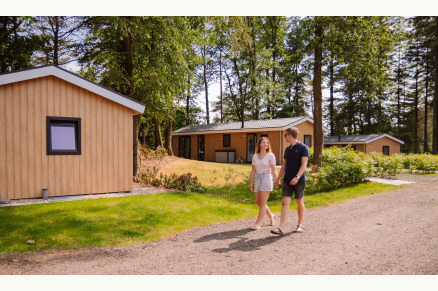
[263, 165]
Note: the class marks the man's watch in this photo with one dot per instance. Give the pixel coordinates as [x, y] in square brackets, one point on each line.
[298, 177]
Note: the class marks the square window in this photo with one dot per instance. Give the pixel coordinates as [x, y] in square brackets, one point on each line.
[226, 140]
[308, 140]
[63, 135]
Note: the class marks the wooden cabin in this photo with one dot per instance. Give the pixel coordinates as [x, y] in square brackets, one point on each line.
[230, 143]
[61, 132]
[367, 143]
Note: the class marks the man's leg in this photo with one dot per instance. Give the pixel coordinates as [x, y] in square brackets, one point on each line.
[300, 210]
[284, 212]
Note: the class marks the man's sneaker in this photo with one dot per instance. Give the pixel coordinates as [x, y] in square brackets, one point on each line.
[299, 229]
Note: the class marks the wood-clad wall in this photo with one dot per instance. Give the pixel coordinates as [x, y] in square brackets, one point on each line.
[377, 146]
[105, 164]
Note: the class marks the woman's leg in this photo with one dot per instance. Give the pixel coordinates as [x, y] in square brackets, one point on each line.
[272, 216]
[263, 199]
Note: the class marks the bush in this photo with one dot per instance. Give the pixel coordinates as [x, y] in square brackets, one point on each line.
[160, 152]
[424, 163]
[341, 167]
[386, 166]
[184, 182]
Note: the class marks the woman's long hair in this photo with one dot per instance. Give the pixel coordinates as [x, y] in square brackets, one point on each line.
[268, 150]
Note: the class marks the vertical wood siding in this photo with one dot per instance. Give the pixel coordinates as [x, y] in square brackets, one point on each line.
[377, 146]
[105, 164]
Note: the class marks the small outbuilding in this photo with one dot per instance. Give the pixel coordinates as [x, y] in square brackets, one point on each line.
[61, 132]
[230, 143]
[366, 143]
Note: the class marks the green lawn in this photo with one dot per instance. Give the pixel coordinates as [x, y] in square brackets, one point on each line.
[134, 219]
[209, 174]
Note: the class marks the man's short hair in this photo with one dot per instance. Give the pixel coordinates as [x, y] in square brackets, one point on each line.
[293, 131]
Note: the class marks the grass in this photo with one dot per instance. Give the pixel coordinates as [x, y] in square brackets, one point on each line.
[128, 220]
[133, 219]
[210, 175]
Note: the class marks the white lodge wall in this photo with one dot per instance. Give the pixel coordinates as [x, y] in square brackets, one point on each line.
[105, 163]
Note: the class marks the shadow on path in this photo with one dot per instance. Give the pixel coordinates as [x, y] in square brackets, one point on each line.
[223, 235]
[245, 245]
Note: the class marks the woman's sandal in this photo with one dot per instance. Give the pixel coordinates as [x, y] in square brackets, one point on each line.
[278, 232]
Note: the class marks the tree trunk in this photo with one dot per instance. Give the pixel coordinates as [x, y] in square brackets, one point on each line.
[398, 90]
[136, 158]
[188, 102]
[332, 131]
[253, 51]
[416, 145]
[426, 143]
[206, 86]
[435, 97]
[158, 140]
[317, 96]
[220, 81]
[56, 42]
[168, 138]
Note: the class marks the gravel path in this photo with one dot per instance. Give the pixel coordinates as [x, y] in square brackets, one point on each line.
[392, 233]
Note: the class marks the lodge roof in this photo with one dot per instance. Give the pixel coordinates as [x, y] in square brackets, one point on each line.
[270, 124]
[364, 138]
[51, 70]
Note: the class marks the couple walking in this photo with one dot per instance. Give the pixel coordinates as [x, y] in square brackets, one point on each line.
[293, 167]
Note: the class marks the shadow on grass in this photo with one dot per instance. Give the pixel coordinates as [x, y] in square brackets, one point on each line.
[240, 192]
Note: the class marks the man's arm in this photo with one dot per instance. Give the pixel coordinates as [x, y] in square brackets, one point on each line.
[280, 174]
[301, 170]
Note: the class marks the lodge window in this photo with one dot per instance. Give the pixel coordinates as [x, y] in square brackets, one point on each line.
[264, 135]
[185, 147]
[227, 140]
[308, 140]
[63, 135]
[386, 150]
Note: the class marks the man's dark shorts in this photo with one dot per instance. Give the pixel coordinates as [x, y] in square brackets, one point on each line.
[298, 189]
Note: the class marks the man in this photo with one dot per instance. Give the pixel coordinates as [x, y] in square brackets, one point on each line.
[294, 167]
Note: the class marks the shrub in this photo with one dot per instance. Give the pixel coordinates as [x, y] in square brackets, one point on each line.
[386, 166]
[424, 163]
[184, 182]
[341, 167]
[151, 153]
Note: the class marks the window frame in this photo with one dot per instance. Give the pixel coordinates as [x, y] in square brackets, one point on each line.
[304, 141]
[63, 120]
[383, 150]
[229, 140]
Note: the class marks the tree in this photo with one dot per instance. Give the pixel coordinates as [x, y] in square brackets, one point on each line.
[59, 34]
[17, 44]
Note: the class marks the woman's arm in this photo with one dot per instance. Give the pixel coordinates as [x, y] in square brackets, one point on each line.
[282, 170]
[253, 172]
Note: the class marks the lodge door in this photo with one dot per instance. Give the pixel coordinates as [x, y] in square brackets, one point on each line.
[184, 147]
[201, 147]
[251, 142]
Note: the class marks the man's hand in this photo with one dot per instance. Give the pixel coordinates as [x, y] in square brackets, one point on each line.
[294, 181]
[277, 184]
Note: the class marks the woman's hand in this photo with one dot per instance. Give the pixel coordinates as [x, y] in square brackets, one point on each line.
[250, 188]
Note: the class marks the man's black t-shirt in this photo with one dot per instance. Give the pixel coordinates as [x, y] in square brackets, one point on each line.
[293, 156]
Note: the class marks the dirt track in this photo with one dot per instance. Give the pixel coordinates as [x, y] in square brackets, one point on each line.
[392, 233]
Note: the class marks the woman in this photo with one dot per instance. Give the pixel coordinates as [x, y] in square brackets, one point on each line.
[263, 164]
